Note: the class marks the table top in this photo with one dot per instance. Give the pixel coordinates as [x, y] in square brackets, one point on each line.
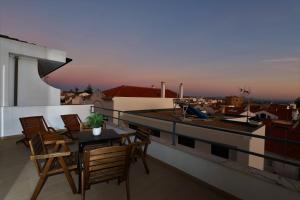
[87, 136]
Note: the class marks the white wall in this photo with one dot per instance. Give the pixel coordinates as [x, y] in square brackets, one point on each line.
[141, 103]
[21, 49]
[32, 90]
[9, 116]
[258, 146]
[240, 184]
[222, 137]
[133, 103]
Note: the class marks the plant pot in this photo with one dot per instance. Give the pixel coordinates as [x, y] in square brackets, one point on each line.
[97, 131]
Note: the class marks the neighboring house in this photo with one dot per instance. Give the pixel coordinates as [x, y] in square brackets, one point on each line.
[284, 130]
[263, 114]
[95, 98]
[196, 130]
[23, 66]
[128, 98]
[134, 91]
[239, 111]
[236, 101]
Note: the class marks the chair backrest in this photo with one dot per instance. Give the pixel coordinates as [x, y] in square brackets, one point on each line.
[141, 142]
[33, 125]
[107, 163]
[72, 122]
[143, 136]
[37, 147]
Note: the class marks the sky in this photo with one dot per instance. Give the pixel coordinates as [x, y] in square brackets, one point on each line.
[213, 47]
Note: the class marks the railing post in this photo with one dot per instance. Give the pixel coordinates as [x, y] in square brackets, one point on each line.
[174, 134]
[92, 109]
[118, 118]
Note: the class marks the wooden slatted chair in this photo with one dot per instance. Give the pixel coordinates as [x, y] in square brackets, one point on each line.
[72, 123]
[141, 142]
[105, 164]
[34, 125]
[47, 164]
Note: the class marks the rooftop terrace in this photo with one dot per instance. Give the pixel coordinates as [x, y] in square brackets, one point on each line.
[216, 121]
[18, 179]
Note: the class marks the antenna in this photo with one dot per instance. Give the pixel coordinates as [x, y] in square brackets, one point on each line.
[245, 92]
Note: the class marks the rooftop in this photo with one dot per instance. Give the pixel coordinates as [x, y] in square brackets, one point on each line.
[18, 179]
[15, 39]
[216, 121]
[134, 91]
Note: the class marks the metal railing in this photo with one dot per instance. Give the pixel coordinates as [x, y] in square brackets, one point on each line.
[221, 131]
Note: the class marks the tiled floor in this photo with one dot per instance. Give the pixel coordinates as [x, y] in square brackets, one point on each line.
[18, 178]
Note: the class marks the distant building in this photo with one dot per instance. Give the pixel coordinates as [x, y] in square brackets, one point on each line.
[234, 101]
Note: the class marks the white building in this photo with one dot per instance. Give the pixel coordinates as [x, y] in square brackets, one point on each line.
[22, 90]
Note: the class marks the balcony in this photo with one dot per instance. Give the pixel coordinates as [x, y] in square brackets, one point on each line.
[18, 179]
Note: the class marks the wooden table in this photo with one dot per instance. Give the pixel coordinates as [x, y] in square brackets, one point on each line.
[86, 137]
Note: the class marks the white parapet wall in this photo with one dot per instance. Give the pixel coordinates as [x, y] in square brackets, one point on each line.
[141, 103]
[243, 185]
[9, 116]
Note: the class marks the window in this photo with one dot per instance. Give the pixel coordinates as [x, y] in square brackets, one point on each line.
[219, 150]
[155, 132]
[186, 141]
[263, 116]
[269, 162]
[134, 127]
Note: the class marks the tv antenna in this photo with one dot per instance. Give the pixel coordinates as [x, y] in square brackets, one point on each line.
[245, 92]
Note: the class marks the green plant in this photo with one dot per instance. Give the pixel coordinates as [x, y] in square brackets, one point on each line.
[94, 120]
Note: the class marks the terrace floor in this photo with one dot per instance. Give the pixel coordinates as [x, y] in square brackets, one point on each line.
[18, 178]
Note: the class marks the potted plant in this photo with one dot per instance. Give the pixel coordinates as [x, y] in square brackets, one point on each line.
[95, 122]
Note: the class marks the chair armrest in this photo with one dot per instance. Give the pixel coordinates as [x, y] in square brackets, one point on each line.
[51, 155]
[124, 138]
[59, 141]
[51, 129]
[51, 138]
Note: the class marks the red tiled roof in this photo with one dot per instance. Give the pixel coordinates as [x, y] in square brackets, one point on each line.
[133, 91]
[281, 111]
[283, 131]
[234, 110]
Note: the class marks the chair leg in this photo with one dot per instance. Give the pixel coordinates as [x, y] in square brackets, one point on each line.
[38, 187]
[42, 179]
[82, 186]
[67, 174]
[24, 141]
[127, 189]
[145, 164]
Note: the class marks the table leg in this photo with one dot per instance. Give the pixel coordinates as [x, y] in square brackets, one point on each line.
[80, 150]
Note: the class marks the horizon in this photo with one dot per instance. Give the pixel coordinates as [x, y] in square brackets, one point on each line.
[213, 48]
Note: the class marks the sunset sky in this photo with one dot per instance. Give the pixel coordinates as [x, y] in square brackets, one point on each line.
[213, 47]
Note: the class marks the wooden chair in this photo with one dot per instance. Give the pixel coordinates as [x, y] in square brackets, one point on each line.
[141, 141]
[105, 164]
[48, 164]
[37, 124]
[72, 123]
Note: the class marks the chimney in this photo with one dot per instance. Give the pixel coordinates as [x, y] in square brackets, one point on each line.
[163, 90]
[181, 90]
[295, 115]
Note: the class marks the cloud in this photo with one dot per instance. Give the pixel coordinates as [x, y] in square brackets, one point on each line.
[282, 60]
